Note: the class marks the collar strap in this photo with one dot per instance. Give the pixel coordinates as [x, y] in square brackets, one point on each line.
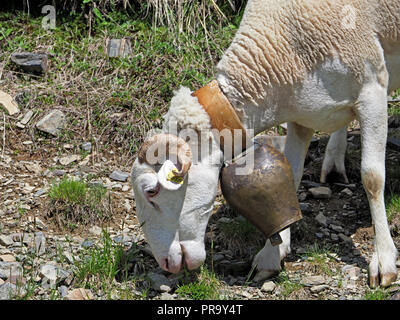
[221, 112]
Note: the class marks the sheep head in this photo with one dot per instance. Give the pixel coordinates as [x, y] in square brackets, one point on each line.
[174, 199]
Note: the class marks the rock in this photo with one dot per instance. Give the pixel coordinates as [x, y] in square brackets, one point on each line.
[95, 230]
[394, 143]
[63, 290]
[313, 281]
[40, 243]
[166, 296]
[87, 146]
[34, 168]
[321, 192]
[336, 228]
[321, 219]
[157, 280]
[8, 291]
[118, 47]
[218, 257]
[65, 161]
[52, 122]
[34, 63]
[6, 240]
[345, 238]
[119, 176]
[8, 103]
[305, 207]
[268, 286]
[80, 294]
[8, 269]
[395, 296]
[7, 258]
[319, 288]
[27, 117]
[59, 172]
[87, 243]
[122, 238]
[347, 192]
[351, 272]
[52, 274]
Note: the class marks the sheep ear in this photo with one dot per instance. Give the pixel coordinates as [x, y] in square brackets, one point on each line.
[167, 178]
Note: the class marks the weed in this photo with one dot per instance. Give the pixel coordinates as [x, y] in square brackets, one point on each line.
[204, 287]
[287, 285]
[392, 207]
[74, 201]
[376, 294]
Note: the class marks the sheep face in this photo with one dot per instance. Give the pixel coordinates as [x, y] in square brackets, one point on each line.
[174, 216]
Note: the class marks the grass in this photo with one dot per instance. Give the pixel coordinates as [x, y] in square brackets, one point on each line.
[320, 256]
[205, 286]
[376, 294]
[74, 201]
[287, 285]
[392, 207]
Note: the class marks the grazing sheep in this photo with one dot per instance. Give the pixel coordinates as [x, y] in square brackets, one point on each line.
[316, 65]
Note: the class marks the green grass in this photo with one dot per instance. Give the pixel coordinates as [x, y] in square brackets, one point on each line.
[287, 285]
[376, 294]
[205, 286]
[74, 201]
[392, 207]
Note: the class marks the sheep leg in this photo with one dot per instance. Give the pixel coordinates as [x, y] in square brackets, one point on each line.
[372, 114]
[268, 260]
[334, 155]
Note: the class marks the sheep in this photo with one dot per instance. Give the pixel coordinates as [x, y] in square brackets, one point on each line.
[305, 62]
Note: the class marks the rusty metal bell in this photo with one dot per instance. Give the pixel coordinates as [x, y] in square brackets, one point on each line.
[265, 194]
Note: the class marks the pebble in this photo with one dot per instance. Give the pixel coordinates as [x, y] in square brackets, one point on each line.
[305, 207]
[52, 123]
[159, 282]
[7, 258]
[119, 176]
[95, 230]
[69, 159]
[319, 288]
[80, 294]
[40, 243]
[87, 146]
[321, 219]
[313, 281]
[321, 192]
[268, 286]
[6, 240]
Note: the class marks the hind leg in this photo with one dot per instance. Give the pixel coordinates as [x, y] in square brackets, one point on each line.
[334, 155]
[372, 114]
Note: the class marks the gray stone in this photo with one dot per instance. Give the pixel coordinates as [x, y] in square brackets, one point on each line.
[52, 122]
[8, 291]
[59, 172]
[344, 238]
[87, 146]
[321, 192]
[119, 176]
[118, 47]
[352, 272]
[40, 243]
[6, 240]
[336, 228]
[313, 281]
[27, 117]
[34, 63]
[87, 243]
[53, 273]
[95, 230]
[319, 288]
[268, 286]
[166, 296]
[157, 280]
[63, 290]
[8, 269]
[65, 161]
[305, 207]
[321, 219]
[122, 238]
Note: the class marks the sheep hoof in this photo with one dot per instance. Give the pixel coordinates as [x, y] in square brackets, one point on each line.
[384, 280]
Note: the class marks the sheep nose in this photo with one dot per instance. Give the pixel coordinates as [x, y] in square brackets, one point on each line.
[169, 266]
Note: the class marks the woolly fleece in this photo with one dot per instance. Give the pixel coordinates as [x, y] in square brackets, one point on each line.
[186, 112]
[278, 41]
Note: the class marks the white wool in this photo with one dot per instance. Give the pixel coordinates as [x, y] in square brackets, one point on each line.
[186, 112]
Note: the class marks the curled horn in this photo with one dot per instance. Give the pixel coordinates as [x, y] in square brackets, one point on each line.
[173, 146]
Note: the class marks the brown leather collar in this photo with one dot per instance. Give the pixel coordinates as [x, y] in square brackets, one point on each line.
[221, 112]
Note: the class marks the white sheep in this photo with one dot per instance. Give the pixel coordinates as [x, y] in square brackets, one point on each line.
[316, 65]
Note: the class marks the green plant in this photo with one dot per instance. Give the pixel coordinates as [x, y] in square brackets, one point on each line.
[99, 265]
[376, 294]
[204, 287]
[392, 207]
[287, 285]
[75, 201]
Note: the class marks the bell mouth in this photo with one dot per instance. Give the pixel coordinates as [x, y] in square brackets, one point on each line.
[266, 195]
